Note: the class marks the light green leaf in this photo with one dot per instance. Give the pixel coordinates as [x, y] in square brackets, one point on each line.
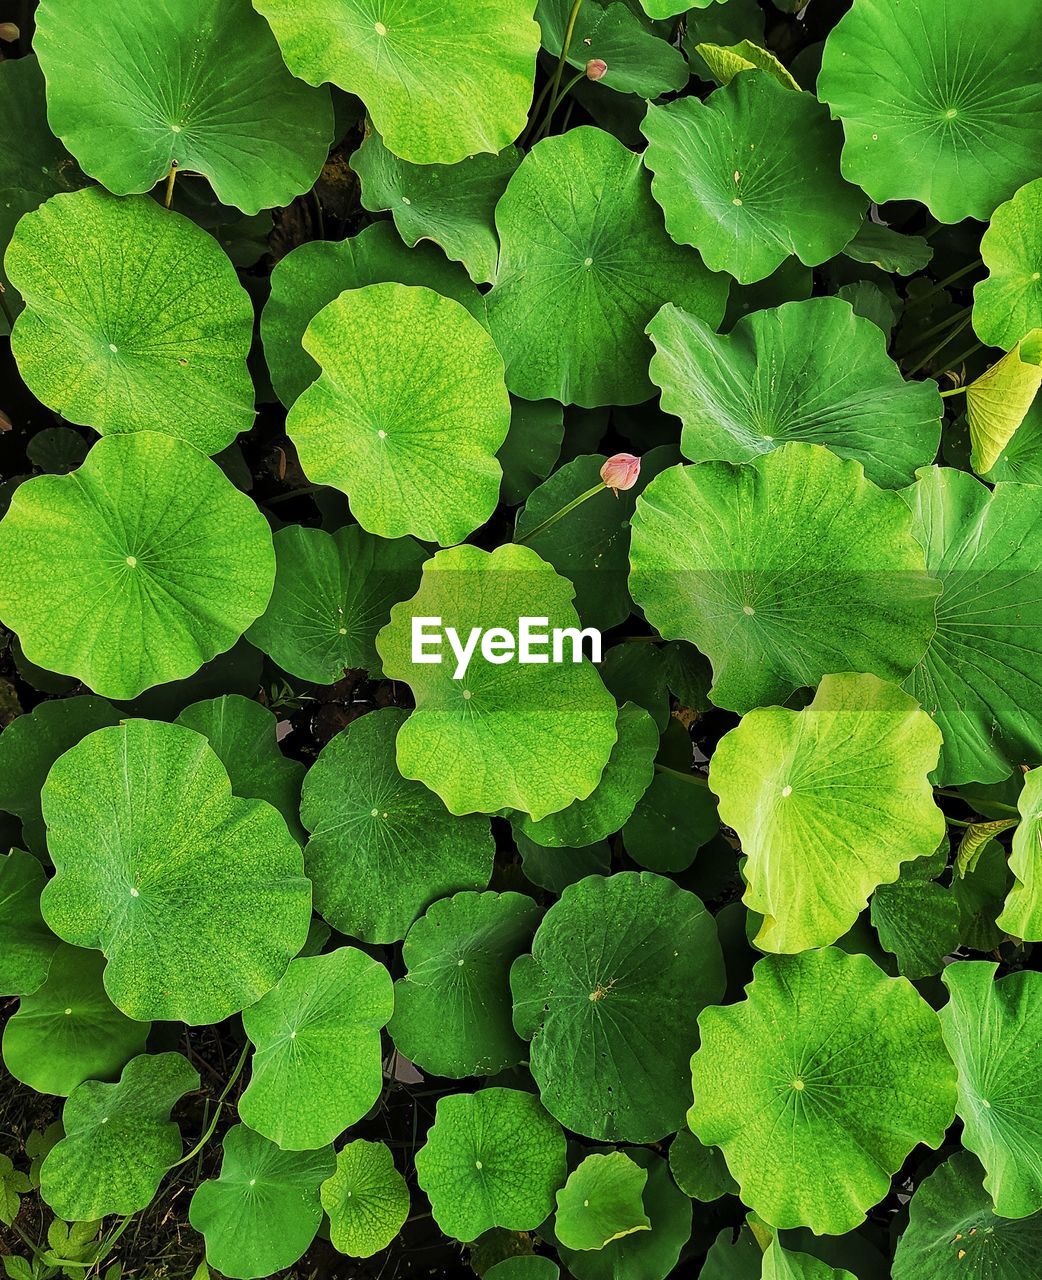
[26, 944]
[440, 82]
[818, 1085]
[699, 1171]
[411, 441]
[936, 106]
[890, 251]
[333, 593]
[727, 61]
[316, 273]
[194, 83]
[807, 568]
[997, 401]
[196, 897]
[828, 802]
[602, 1201]
[263, 1210]
[649, 963]
[1022, 914]
[134, 319]
[1008, 303]
[808, 371]
[600, 265]
[975, 839]
[751, 176]
[383, 847]
[119, 1140]
[492, 1159]
[781, 1264]
[366, 1199]
[452, 1010]
[639, 60]
[978, 678]
[453, 205]
[529, 737]
[161, 561]
[13, 1185]
[69, 1030]
[316, 1066]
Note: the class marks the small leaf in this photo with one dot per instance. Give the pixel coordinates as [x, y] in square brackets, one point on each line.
[699, 1171]
[602, 1201]
[26, 944]
[997, 401]
[1008, 303]
[727, 61]
[367, 1199]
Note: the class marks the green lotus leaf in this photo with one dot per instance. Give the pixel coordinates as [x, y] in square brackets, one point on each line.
[751, 176]
[412, 441]
[818, 1085]
[452, 1010]
[806, 371]
[69, 1030]
[453, 205]
[997, 402]
[333, 592]
[492, 1159]
[578, 222]
[526, 1266]
[781, 1264]
[1008, 303]
[640, 1255]
[532, 447]
[383, 847]
[602, 1201]
[916, 919]
[699, 1171]
[316, 1064]
[978, 678]
[119, 1140]
[649, 963]
[263, 1210]
[37, 168]
[726, 61]
[993, 1031]
[671, 821]
[367, 1199]
[135, 569]
[806, 568]
[730, 1258]
[639, 61]
[934, 106]
[828, 802]
[627, 776]
[525, 736]
[194, 84]
[555, 869]
[639, 672]
[670, 8]
[889, 250]
[953, 1230]
[317, 273]
[26, 944]
[440, 82]
[196, 897]
[1022, 914]
[981, 896]
[30, 745]
[134, 319]
[870, 301]
[1021, 459]
[243, 736]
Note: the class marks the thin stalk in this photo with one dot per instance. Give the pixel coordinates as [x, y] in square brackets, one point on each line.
[965, 355]
[939, 347]
[533, 116]
[943, 284]
[579, 75]
[696, 778]
[171, 178]
[555, 82]
[955, 391]
[208, 1134]
[565, 510]
[941, 325]
[992, 804]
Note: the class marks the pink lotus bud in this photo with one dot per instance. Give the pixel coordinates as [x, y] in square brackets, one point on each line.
[596, 69]
[621, 471]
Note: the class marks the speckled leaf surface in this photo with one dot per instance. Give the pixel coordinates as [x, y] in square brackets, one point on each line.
[26, 944]
[366, 1199]
[602, 1201]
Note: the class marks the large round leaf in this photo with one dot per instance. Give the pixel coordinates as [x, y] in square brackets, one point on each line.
[979, 676]
[1008, 304]
[993, 1031]
[367, 1199]
[751, 176]
[818, 1085]
[828, 802]
[648, 963]
[602, 1201]
[135, 319]
[196, 84]
[316, 273]
[333, 593]
[26, 944]
[440, 81]
[452, 1011]
[119, 1140]
[492, 1159]
[584, 264]
[812, 371]
[382, 847]
[195, 896]
[262, 1212]
[135, 569]
[69, 1030]
[936, 105]
[804, 568]
[411, 440]
[316, 1066]
[531, 736]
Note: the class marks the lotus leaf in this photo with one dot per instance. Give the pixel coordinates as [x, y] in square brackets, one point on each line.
[602, 1201]
[997, 402]
[26, 944]
[366, 1199]
[1008, 304]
